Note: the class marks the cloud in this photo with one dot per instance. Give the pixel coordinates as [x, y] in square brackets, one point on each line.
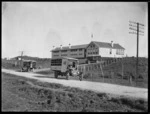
[52, 39]
[97, 29]
[108, 35]
[45, 24]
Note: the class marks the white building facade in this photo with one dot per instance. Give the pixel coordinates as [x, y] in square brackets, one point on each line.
[105, 50]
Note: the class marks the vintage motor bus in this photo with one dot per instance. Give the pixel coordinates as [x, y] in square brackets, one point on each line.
[65, 66]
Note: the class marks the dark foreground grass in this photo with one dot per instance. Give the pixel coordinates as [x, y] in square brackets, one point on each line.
[23, 94]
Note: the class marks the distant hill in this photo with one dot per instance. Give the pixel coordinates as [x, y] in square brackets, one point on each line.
[129, 67]
[30, 58]
[41, 62]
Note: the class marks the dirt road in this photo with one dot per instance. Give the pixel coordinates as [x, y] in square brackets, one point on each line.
[94, 86]
[38, 70]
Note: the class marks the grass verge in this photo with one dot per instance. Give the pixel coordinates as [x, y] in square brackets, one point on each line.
[23, 94]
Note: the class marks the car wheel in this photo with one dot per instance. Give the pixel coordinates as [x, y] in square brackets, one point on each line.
[81, 77]
[67, 76]
[56, 74]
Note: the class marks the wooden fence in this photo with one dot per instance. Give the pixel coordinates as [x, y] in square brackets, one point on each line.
[93, 67]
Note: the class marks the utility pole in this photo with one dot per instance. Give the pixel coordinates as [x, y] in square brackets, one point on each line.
[21, 57]
[122, 69]
[136, 26]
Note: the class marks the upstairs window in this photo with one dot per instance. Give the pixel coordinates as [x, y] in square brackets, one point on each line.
[110, 51]
[80, 49]
[117, 51]
[73, 50]
[64, 51]
[55, 51]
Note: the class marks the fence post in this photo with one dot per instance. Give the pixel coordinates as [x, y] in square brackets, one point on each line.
[92, 76]
[130, 79]
[122, 70]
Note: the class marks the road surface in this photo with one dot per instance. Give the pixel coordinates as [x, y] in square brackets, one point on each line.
[94, 86]
[39, 70]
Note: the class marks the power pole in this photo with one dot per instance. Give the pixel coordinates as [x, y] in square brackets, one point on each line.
[21, 57]
[122, 69]
[136, 26]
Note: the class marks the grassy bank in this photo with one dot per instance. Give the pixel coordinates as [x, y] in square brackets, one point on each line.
[23, 94]
[121, 72]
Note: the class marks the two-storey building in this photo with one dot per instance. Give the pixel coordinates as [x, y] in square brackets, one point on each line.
[94, 48]
[104, 49]
[77, 51]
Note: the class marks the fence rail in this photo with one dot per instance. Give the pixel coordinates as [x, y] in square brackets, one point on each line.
[92, 67]
[98, 73]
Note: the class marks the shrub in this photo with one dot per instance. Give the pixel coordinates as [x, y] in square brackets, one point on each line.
[140, 76]
[102, 95]
[127, 101]
[119, 75]
[86, 76]
[115, 100]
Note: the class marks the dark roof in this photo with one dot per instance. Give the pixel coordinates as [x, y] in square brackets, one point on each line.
[117, 46]
[70, 58]
[108, 45]
[72, 47]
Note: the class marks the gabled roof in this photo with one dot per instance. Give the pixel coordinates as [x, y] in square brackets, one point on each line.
[72, 47]
[69, 58]
[108, 45]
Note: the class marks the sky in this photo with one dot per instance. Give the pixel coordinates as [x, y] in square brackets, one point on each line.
[35, 27]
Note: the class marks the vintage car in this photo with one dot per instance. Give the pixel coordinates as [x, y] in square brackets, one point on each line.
[28, 65]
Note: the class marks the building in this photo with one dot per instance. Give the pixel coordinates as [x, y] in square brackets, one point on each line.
[77, 51]
[104, 49]
[94, 48]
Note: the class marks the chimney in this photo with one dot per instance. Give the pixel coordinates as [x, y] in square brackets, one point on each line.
[53, 47]
[112, 44]
[70, 46]
[60, 46]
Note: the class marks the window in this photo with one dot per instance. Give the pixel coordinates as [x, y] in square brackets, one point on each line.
[80, 49]
[55, 55]
[73, 50]
[73, 54]
[122, 52]
[110, 51]
[119, 52]
[55, 51]
[116, 51]
[64, 51]
[64, 55]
